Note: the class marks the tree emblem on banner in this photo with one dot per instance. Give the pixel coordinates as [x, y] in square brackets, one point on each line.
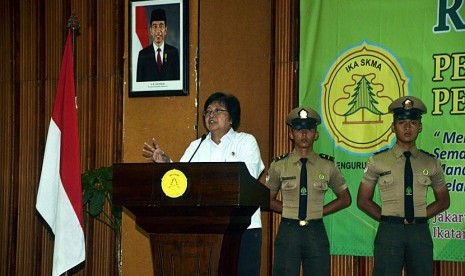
[363, 99]
[356, 93]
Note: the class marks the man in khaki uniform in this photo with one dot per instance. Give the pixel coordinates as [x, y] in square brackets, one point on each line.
[303, 178]
[403, 174]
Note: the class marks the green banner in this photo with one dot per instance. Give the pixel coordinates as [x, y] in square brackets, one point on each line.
[356, 57]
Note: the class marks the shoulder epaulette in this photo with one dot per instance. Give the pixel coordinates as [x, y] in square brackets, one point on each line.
[280, 157]
[327, 157]
[432, 155]
[381, 151]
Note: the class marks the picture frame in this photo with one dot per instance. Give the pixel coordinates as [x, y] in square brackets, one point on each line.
[158, 48]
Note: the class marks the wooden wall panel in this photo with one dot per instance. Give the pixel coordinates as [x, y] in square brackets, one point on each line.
[284, 98]
[343, 265]
[235, 57]
[7, 145]
[28, 131]
[33, 36]
[450, 268]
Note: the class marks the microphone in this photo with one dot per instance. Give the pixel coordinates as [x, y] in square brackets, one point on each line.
[201, 140]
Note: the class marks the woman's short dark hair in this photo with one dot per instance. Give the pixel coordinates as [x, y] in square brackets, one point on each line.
[230, 102]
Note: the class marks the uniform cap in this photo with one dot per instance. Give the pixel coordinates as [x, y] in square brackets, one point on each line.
[158, 15]
[303, 118]
[407, 107]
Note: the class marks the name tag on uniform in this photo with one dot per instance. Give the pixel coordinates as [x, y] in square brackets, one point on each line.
[288, 178]
[385, 173]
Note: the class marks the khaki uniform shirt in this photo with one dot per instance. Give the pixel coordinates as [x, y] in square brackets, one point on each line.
[284, 174]
[387, 169]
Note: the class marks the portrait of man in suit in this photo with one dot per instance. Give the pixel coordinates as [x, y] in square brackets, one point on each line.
[159, 61]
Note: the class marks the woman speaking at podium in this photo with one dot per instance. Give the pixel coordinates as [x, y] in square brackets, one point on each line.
[222, 114]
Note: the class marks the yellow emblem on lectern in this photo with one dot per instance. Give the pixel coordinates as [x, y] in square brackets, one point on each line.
[174, 183]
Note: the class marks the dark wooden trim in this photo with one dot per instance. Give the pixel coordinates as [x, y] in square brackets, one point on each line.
[15, 145]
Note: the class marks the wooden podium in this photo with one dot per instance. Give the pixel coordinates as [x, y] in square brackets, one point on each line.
[194, 213]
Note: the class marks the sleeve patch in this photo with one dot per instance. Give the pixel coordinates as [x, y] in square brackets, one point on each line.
[280, 157]
[327, 157]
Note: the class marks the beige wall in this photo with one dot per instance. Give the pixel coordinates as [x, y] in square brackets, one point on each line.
[234, 52]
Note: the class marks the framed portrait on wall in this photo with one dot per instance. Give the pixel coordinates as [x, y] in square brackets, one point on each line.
[158, 48]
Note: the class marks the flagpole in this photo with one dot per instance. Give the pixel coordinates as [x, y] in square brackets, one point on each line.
[73, 24]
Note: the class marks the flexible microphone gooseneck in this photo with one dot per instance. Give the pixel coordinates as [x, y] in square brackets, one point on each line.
[201, 140]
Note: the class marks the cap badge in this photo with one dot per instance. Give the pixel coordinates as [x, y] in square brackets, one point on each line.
[407, 104]
[303, 114]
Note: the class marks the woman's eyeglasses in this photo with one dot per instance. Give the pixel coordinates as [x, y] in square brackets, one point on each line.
[213, 112]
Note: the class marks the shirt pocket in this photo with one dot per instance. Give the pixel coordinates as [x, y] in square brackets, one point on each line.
[423, 180]
[320, 185]
[385, 181]
[290, 193]
[287, 185]
[388, 189]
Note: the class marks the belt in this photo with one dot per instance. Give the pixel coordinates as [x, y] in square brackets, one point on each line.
[401, 220]
[302, 223]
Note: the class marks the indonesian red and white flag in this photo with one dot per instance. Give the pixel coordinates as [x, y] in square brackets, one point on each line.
[59, 199]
